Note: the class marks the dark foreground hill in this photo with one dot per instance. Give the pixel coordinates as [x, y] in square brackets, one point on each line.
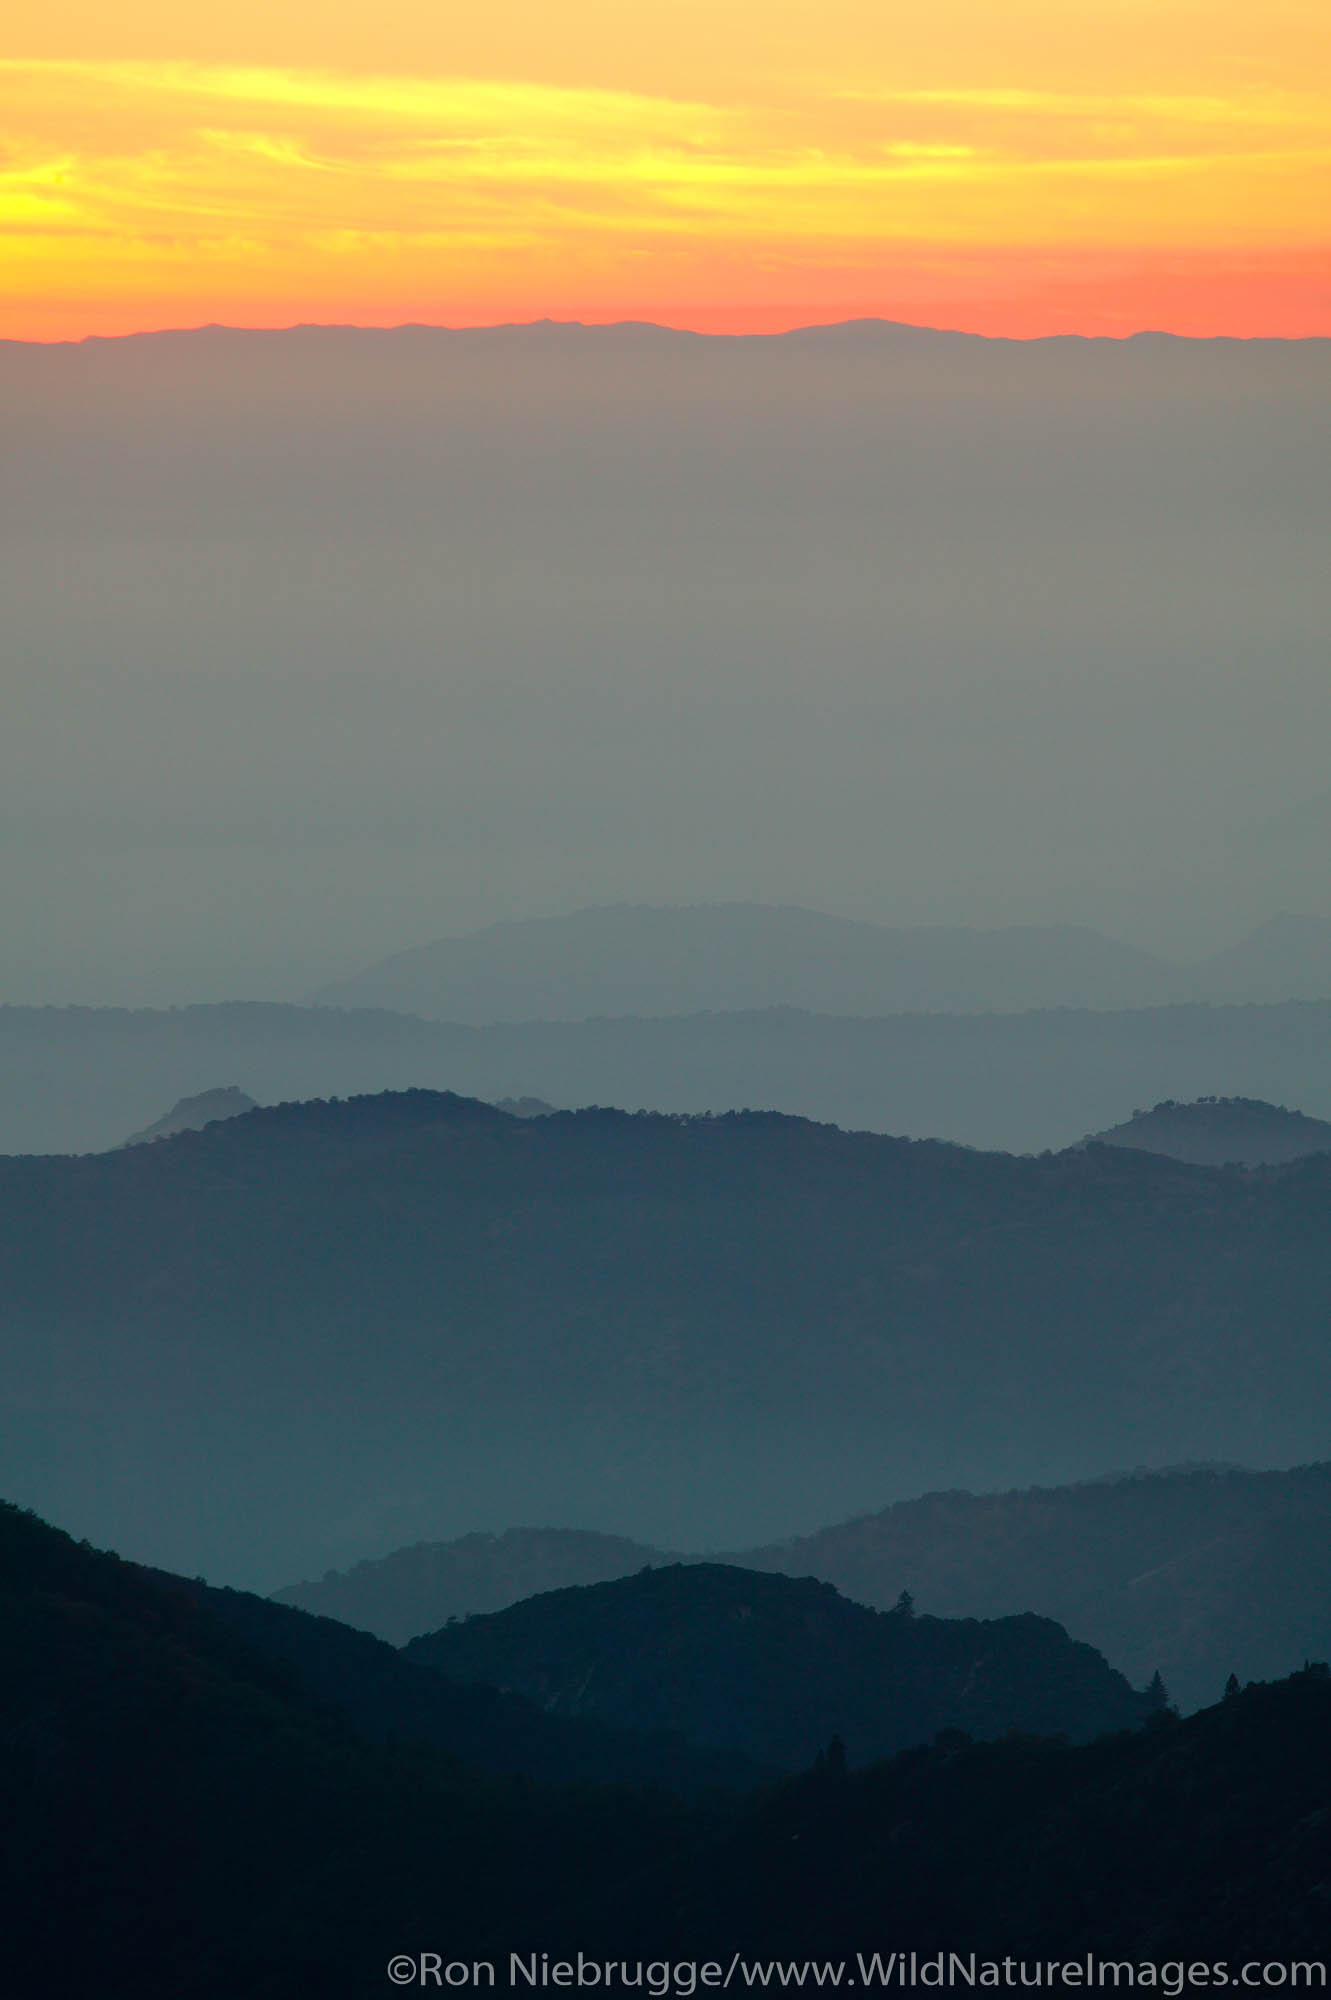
[329, 1323]
[1219, 1131]
[1198, 1573]
[76, 1079]
[182, 1819]
[763, 1671]
[776, 1666]
[182, 1816]
[391, 1699]
[1212, 1834]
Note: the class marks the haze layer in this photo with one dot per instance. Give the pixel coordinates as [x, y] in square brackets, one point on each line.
[323, 644]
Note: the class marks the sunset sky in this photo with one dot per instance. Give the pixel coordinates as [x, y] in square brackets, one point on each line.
[1029, 167]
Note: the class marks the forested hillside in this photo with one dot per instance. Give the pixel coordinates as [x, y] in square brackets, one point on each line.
[417, 1589]
[776, 1666]
[234, 1837]
[1199, 1572]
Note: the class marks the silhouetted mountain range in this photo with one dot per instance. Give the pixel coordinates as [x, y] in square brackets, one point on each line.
[1220, 1131]
[77, 1079]
[737, 957]
[775, 1667]
[734, 957]
[349, 1318]
[1198, 1573]
[233, 1836]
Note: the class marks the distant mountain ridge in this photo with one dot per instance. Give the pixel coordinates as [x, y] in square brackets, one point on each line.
[1287, 958]
[1219, 1131]
[570, 500]
[652, 960]
[661, 960]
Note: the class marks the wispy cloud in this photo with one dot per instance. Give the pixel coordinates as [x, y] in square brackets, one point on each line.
[187, 166]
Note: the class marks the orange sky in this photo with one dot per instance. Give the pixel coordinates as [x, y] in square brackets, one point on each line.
[1043, 166]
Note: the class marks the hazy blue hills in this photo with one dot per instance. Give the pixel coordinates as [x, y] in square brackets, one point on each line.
[1288, 958]
[1218, 1131]
[737, 957]
[776, 1666]
[323, 1325]
[1198, 1573]
[236, 1836]
[78, 1079]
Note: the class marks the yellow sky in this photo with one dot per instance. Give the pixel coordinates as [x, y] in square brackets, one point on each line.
[1025, 168]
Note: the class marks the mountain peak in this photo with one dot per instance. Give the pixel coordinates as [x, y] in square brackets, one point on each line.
[662, 959]
[1222, 1131]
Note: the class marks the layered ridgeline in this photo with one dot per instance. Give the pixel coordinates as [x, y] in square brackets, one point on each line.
[77, 1079]
[693, 1677]
[417, 1589]
[640, 959]
[1218, 1130]
[326, 1326]
[1200, 1573]
[776, 1666]
[185, 1815]
[691, 589]
[422, 1587]
[191, 1114]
